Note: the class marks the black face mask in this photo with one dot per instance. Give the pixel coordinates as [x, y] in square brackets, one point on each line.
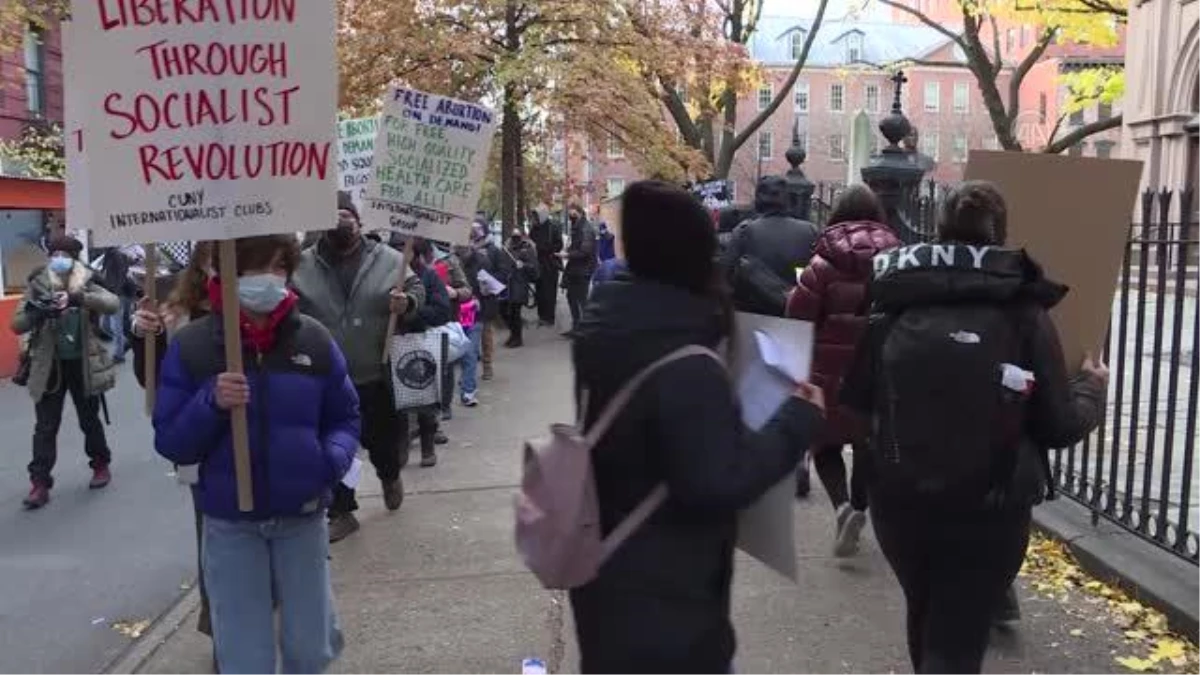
[341, 238]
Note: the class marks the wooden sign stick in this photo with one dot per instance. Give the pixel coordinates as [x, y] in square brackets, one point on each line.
[230, 317]
[391, 327]
[150, 342]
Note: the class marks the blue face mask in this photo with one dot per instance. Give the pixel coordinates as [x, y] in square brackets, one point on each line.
[60, 265]
[261, 293]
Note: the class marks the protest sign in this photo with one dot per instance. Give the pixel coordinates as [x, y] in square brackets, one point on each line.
[771, 356]
[1072, 215]
[356, 151]
[210, 120]
[430, 156]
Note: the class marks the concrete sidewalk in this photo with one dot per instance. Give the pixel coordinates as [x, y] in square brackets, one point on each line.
[437, 587]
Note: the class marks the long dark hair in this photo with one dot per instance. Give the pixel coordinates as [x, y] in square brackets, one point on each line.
[190, 293]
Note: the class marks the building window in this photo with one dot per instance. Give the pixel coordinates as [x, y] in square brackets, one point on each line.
[872, 98]
[991, 143]
[1042, 104]
[873, 147]
[1025, 30]
[615, 186]
[1010, 39]
[1104, 149]
[803, 138]
[960, 148]
[35, 73]
[1076, 150]
[854, 48]
[933, 96]
[962, 97]
[837, 147]
[801, 97]
[615, 149]
[1104, 111]
[765, 143]
[766, 94]
[797, 42]
[929, 144]
[1077, 118]
[837, 97]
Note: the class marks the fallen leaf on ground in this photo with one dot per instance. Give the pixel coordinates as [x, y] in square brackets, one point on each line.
[1077, 632]
[131, 629]
[1135, 664]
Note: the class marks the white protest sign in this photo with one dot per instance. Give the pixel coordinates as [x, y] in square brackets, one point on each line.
[356, 150]
[207, 120]
[430, 156]
[78, 199]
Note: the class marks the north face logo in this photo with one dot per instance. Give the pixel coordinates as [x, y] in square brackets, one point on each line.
[302, 360]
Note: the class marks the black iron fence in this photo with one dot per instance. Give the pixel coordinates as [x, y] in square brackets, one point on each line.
[1138, 469]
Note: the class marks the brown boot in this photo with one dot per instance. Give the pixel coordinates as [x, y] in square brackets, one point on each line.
[488, 374]
[341, 526]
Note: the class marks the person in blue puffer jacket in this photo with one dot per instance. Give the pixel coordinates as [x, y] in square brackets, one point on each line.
[303, 430]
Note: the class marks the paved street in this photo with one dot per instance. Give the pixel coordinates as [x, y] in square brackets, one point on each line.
[437, 586]
[89, 558]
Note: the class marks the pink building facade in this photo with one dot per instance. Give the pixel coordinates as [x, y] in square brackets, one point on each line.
[31, 82]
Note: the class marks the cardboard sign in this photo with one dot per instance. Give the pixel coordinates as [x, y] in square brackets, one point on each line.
[430, 156]
[1072, 214]
[356, 152]
[207, 120]
[771, 356]
[78, 198]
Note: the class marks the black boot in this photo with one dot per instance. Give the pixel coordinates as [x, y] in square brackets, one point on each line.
[428, 453]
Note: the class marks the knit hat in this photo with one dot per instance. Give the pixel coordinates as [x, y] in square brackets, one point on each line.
[668, 236]
[67, 244]
[346, 203]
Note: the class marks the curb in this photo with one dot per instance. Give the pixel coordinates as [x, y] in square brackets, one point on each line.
[1156, 577]
[141, 649]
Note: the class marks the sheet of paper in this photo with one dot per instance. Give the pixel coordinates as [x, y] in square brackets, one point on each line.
[771, 356]
[489, 284]
[354, 474]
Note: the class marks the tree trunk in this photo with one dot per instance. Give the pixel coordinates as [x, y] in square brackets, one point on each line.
[510, 130]
[519, 168]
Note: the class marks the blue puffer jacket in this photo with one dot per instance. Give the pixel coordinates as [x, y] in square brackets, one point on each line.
[303, 414]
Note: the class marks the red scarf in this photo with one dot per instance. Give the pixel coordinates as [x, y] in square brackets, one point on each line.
[260, 338]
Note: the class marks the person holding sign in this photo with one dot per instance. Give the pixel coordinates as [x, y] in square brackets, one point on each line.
[348, 283]
[66, 355]
[660, 603]
[963, 378]
[303, 431]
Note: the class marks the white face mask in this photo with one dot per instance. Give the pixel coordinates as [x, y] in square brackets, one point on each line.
[261, 293]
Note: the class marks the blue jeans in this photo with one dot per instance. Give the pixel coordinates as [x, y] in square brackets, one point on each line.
[251, 565]
[470, 359]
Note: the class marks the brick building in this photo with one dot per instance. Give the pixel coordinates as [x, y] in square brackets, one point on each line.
[844, 75]
[31, 81]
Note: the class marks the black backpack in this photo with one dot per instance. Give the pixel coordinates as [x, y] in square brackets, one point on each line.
[946, 429]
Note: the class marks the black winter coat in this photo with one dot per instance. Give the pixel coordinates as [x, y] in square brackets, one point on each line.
[780, 242]
[1060, 411]
[661, 602]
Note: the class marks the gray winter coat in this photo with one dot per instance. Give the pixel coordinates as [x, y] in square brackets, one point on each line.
[42, 328]
[358, 320]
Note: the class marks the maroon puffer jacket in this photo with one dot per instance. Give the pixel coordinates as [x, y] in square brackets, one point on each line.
[831, 294]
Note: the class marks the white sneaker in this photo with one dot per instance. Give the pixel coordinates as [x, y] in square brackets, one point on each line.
[848, 533]
[470, 400]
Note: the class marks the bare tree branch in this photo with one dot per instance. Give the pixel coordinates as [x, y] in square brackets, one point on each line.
[786, 90]
[1065, 143]
[925, 19]
[1022, 69]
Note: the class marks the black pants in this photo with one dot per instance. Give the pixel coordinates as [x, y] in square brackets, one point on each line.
[69, 378]
[547, 291]
[577, 293]
[954, 568]
[382, 437]
[511, 311]
[427, 426]
[832, 470]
